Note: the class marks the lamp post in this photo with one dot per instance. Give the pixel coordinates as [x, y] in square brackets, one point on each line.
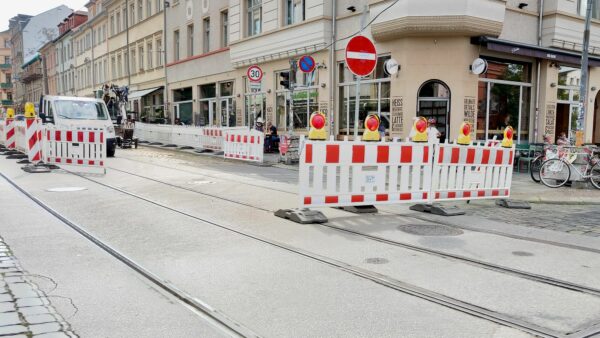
[166, 5]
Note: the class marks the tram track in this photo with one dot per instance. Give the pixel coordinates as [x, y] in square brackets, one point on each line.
[458, 258]
[417, 217]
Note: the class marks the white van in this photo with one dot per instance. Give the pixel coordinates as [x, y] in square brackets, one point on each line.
[65, 111]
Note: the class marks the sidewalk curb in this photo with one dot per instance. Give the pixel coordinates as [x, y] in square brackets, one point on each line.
[539, 200]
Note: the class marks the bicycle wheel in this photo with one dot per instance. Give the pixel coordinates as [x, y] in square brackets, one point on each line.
[534, 168]
[595, 176]
[555, 173]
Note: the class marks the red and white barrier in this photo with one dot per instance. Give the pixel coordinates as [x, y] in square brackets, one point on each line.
[212, 138]
[247, 145]
[9, 134]
[344, 173]
[2, 133]
[471, 172]
[33, 135]
[21, 136]
[77, 148]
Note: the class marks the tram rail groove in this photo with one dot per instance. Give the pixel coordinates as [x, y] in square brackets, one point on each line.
[218, 319]
[421, 218]
[386, 281]
[459, 258]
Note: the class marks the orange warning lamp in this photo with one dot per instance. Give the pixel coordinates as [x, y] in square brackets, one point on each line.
[507, 142]
[317, 126]
[371, 128]
[464, 136]
[29, 110]
[10, 113]
[420, 127]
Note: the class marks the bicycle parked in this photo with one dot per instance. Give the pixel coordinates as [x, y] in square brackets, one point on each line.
[556, 172]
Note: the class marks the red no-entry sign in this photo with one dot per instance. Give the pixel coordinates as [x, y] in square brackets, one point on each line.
[361, 56]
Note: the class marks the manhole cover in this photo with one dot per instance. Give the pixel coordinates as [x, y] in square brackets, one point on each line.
[376, 260]
[522, 253]
[66, 189]
[430, 230]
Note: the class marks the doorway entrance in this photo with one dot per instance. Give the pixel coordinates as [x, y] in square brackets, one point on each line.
[434, 103]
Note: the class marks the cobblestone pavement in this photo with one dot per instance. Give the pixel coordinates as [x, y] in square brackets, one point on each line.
[25, 310]
[573, 219]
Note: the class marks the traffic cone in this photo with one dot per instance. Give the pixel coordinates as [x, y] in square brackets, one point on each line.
[507, 142]
[464, 136]
[371, 132]
[317, 126]
[29, 110]
[420, 127]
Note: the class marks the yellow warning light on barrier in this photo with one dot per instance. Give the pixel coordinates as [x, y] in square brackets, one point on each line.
[10, 113]
[420, 128]
[317, 126]
[464, 136]
[507, 142]
[29, 110]
[371, 128]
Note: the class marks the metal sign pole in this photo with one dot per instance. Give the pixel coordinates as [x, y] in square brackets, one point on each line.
[357, 102]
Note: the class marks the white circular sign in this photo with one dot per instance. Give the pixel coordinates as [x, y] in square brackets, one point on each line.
[479, 66]
[391, 67]
[255, 74]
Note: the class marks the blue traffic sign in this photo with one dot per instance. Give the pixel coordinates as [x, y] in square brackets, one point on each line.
[307, 64]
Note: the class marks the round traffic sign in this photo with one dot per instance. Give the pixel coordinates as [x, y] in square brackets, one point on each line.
[361, 55]
[307, 64]
[255, 74]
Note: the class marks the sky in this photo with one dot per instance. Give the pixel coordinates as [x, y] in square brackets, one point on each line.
[10, 8]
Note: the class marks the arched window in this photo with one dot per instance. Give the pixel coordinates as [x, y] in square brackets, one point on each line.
[434, 103]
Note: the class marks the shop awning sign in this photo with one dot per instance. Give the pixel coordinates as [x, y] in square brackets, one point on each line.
[361, 56]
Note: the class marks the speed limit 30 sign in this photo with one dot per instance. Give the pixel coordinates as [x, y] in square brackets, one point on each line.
[255, 74]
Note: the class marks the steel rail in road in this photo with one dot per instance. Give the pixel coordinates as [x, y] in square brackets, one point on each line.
[217, 318]
[463, 259]
[421, 218]
[380, 279]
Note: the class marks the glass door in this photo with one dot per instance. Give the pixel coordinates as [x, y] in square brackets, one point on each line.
[226, 113]
[212, 113]
[438, 110]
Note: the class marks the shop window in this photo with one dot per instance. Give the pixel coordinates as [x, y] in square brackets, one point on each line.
[303, 101]
[374, 97]
[183, 101]
[504, 97]
[567, 107]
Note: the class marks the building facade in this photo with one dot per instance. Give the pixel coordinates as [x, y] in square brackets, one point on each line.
[530, 82]
[6, 85]
[32, 78]
[66, 69]
[135, 44]
[49, 63]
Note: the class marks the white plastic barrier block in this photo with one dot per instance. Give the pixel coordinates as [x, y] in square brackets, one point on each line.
[246, 145]
[344, 173]
[77, 148]
[471, 172]
[2, 132]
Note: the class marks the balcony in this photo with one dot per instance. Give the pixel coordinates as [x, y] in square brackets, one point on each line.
[5, 66]
[6, 102]
[6, 85]
[438, 18]
[565, 30]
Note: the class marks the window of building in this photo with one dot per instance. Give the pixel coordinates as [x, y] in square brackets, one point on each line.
[374, 97]
[504, 98]
[567, 105]
[7, 60]
[159, 5]
[224, 29]
[141, 57]
[206, 40]
[190, 40]
[131, 15]
[118, 22]
[119, 66]
[176, 46]
[294, 11]
[148, 8]
[226, 104]
[433, 102]
[183, 105]
[208, 105]
[303, 103]
[159, 53]
[140, 10]
[254, 103]
[582, 8]
[254, 17]
[150, 53]
[112, 25]
[8, 78]
[134, 70]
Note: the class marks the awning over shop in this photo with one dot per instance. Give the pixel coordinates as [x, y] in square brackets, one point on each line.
[141, 93]
[523, 49]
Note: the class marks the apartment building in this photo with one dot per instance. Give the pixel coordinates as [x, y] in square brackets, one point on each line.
[28, 35]
[6, 85]
[135, 47]
[529, 78]
[32, 78]
[66, 69]
[49, 63]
